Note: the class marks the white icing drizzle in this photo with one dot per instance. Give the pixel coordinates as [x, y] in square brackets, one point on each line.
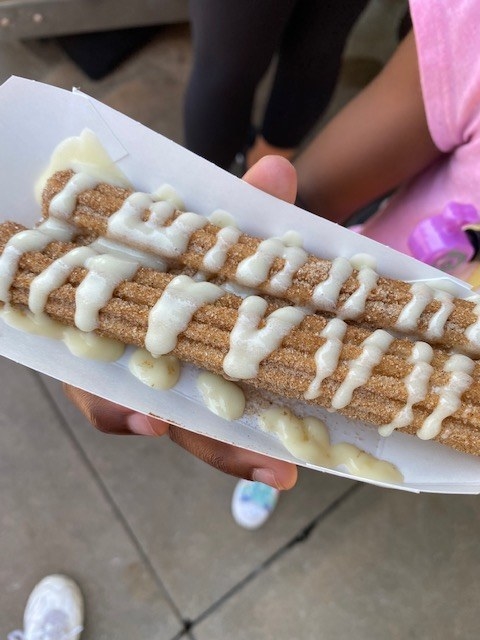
[449, 396]
[92, 346]
[57, 229]
[355, 305]
[126, 225]
[295, 257]
[222, 397]
[23, 320]
[215, 258]
[83, 345]
[255, 269]
[327, 356]
[422, 295]
[82, 153]
[249, 345]
[159, 373]
[145, 259]
[25, 241]
[359, 260]
[237, 289]
[159, 211]
[292, 238]
[63, 204]
[308, 439]
[200, 276]
[54, 276]
[360, 369]
[436, 326]
[472, 332]
[222, 218]
[105, 273]
[325, 295]
[168, 193]
[170, 316]
[416, 383]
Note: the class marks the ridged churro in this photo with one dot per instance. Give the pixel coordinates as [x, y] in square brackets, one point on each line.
[289, 273]
[363, 374]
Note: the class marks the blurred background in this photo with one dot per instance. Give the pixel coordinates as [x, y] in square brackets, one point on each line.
[145, 529]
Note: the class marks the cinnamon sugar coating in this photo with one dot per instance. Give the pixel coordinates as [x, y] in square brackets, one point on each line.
[288, 371]
[383, 305]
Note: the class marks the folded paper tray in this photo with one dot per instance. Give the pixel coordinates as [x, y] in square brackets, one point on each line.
[28, 138]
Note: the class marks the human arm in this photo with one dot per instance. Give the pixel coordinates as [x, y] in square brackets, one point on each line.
[376, 143]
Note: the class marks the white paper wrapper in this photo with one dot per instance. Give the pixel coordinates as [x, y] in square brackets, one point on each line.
[34, 118]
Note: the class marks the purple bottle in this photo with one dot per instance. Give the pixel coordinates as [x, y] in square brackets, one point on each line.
[443, 240]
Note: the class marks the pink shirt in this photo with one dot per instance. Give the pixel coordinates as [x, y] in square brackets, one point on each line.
[447, 34]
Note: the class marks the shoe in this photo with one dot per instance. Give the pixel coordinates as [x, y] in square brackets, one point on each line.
[253, 503]
[54, 611]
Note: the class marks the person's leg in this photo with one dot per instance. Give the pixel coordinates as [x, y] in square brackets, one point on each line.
[234, 43]
[308, 66]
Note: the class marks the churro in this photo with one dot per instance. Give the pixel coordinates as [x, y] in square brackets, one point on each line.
[289, 273]
[366, 375]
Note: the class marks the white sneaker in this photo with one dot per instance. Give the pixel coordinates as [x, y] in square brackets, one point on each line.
[54, 611]
[253, 503]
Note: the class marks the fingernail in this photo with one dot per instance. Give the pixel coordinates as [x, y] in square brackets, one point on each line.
[139, 424]
[266, 476]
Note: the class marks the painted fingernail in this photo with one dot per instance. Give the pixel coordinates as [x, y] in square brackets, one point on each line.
[139, 424]
[266, 476]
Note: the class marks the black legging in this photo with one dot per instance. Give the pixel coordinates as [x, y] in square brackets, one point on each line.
[234, 43]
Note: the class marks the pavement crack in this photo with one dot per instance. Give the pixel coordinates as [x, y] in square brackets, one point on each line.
[117, 511]
[307, 531]
[299, 538]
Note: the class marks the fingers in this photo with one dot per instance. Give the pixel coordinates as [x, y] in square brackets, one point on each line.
[112, 418]
[274, 175]
[235, 461]
[109, 417]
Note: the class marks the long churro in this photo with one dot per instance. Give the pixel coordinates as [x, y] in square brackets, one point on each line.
[332, 287]
[366, 375]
